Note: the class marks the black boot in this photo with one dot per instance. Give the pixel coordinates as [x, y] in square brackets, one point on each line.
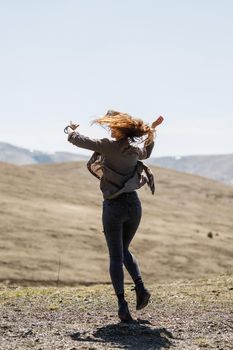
[123, 311]
[142, 294]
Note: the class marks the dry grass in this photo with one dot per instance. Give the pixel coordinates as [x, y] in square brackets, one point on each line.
[52, 212]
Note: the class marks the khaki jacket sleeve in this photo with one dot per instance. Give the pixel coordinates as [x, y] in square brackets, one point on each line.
[82, 141]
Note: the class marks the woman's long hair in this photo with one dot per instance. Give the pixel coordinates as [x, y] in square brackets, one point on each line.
[125, 126]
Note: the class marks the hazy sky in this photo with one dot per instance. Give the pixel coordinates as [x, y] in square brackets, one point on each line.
[63, 60]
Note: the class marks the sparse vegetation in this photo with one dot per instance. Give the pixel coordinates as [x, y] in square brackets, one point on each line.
[182, 315]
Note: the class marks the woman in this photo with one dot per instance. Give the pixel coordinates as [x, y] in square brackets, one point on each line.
[117, 164]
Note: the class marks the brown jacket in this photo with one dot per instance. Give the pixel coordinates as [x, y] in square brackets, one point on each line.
[116, 164]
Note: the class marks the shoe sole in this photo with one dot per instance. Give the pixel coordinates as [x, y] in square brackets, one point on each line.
[144, 304]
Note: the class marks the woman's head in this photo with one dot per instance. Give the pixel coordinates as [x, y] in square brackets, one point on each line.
[122, 125]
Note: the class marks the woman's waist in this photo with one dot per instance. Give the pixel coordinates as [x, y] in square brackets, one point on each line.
[125, 196]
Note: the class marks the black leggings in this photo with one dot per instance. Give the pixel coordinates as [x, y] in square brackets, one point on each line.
[121, 217]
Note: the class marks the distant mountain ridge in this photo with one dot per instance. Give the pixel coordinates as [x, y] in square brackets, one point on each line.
[218, 167]
[22, 156]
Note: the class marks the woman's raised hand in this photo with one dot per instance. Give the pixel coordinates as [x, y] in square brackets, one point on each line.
[73, 126]
[157, 122]
[70, 128]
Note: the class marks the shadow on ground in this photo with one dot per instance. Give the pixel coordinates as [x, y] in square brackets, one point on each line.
[139, 334]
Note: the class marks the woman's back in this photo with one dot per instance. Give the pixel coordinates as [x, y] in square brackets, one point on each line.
[120, 156]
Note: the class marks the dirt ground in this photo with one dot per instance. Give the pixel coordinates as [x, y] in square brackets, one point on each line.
[196, 314]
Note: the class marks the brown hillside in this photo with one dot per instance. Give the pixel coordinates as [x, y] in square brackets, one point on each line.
[51, 212]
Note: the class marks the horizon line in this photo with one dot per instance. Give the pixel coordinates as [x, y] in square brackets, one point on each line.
[84, 155]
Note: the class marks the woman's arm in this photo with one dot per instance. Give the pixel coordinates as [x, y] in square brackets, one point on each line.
[145, 152]
[82, 141]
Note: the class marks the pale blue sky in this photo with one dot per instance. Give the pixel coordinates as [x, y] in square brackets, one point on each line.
[64, 60]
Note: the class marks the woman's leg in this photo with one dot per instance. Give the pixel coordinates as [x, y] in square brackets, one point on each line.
[130, 262]
[113, 233]
[112, 224]
[129, 229]
[113, 237]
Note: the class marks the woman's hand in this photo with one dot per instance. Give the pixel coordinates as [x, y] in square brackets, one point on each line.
[71, 128]
[157, 122]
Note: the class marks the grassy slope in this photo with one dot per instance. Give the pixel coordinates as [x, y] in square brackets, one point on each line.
[183, 315]
[52, 211]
